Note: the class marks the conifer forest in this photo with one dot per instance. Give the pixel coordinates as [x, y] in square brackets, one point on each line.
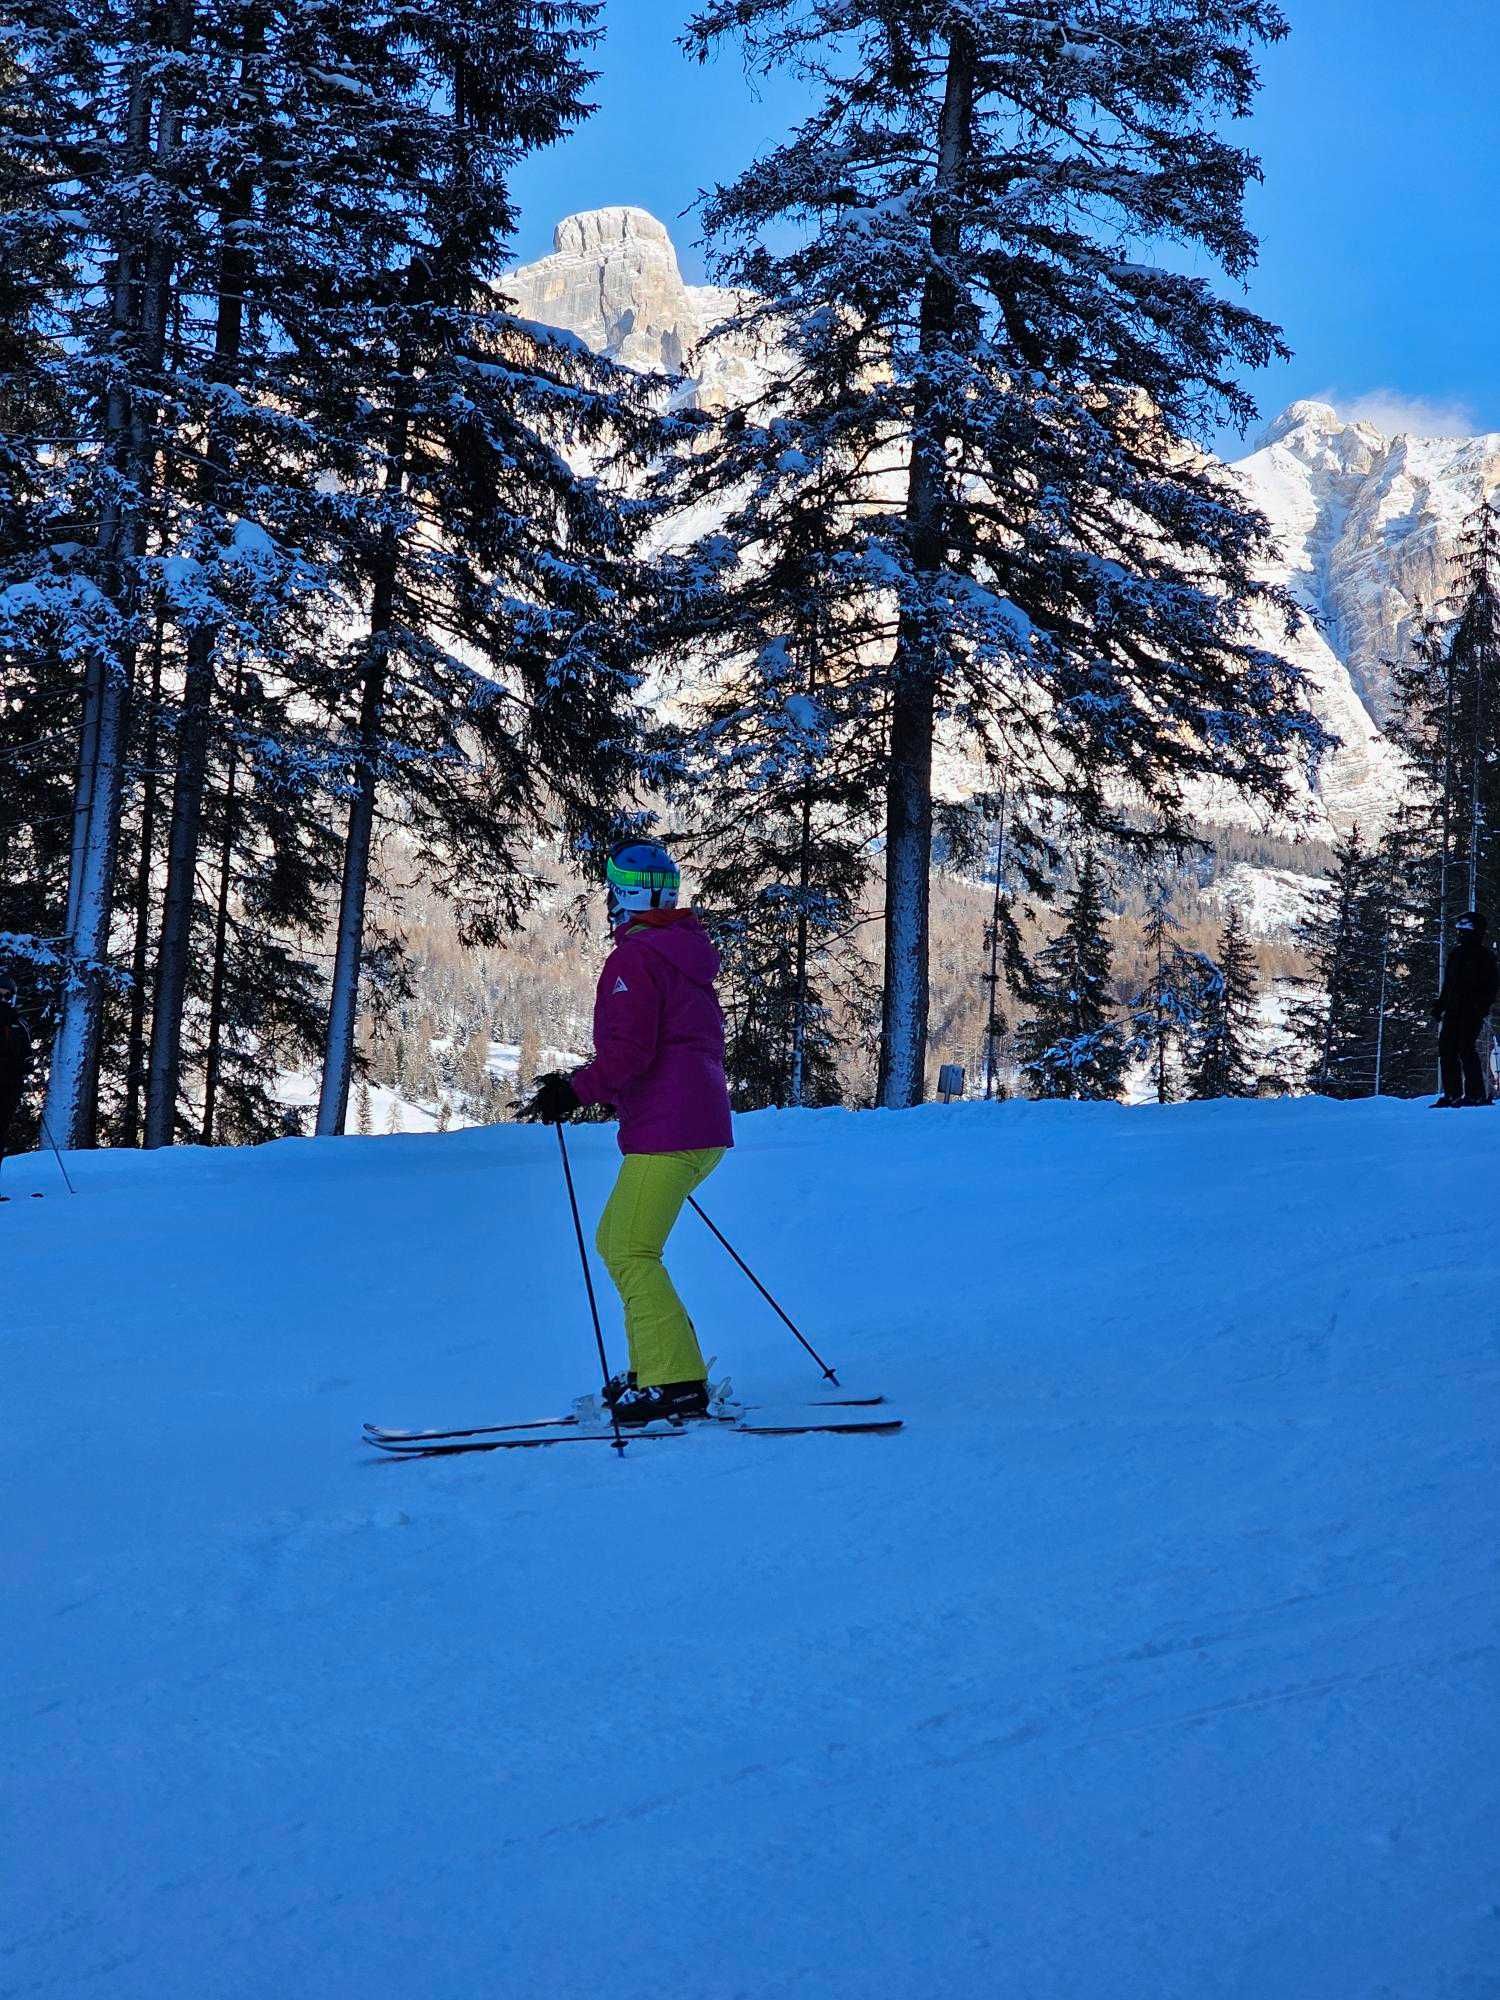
[347, 616]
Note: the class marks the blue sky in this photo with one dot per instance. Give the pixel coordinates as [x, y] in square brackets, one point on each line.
[1379, 219]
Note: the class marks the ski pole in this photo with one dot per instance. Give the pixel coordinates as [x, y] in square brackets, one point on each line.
[588, 1280]
[785, 1317]
[60, 1167]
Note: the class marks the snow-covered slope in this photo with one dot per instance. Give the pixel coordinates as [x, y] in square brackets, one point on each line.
[1156, 1657]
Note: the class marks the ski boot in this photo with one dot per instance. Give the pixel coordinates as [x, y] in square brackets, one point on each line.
[593, 1412]
[677, 1401]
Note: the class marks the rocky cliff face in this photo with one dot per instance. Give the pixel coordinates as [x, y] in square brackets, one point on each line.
[1368, 523]
[614, 281]
[1369, 526]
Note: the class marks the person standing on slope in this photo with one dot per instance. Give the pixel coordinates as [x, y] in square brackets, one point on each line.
[1471, 981]
[15, 1058]
[659, 1060]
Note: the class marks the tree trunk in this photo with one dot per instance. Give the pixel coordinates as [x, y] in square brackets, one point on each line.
[798, 1089]
[141, 282]
[917, 670]
[135, 1063]
[338, 1055]
[343, 1005]
[1447, 820]
[797, 1078]
[1477, 756]
[174, 954]
[221, 942]
[1161, 1023]
[908, 862]
[72, 1087]
[992, 977]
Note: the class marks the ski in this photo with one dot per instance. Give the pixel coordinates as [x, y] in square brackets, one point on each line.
[418, 1448]
[379, 1434]
[853, 1427]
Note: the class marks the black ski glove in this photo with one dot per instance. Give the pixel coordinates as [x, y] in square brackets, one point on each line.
[554, 1102]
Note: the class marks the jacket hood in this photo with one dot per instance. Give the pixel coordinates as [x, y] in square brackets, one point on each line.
[678, 936]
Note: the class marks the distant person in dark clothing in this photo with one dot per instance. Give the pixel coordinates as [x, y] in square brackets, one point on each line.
[15, 1057]
[1470, 984]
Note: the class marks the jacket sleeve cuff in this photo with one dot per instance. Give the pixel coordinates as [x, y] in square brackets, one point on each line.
[585, 1084]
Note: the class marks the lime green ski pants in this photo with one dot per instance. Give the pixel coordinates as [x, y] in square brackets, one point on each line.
[633, 1232]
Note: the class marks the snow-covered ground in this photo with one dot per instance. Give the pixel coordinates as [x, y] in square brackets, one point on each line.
[1156, 1657]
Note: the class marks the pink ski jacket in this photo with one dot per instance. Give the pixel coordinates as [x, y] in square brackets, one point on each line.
[659, 1037]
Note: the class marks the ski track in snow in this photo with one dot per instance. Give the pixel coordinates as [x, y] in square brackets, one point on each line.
[1157, 1656]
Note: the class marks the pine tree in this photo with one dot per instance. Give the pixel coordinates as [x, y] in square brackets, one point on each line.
[36, 686]
[1452, 724]
[1168, 1011]
[99, 144]
[774, 786]
[1405, 900]
[1336, 1023]
[37, 693]
[792, 973]
[479, 528]
[1441, 855]
[991, 400]
[331, 511]
[774, 779]
[1223, 1047]
[193, 500]
[1071, 1045]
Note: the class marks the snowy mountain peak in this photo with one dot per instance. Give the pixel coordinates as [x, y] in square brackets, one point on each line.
[1319, 436]
[1304, 414]
[1369, 525]
[598, 231]
[613, 280]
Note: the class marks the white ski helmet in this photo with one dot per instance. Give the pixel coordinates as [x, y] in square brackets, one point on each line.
[641, 876]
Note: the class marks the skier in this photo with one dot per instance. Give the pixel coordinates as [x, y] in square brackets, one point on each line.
[1471, 981]
[659, 1060]
[15, 1058]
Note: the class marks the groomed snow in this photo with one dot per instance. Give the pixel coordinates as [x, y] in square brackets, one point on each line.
[1157, 1657]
